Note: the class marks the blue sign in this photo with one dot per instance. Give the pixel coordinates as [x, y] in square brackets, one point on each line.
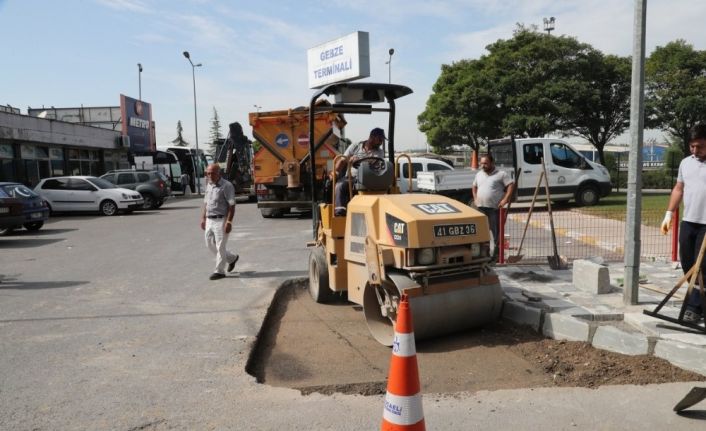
[282, 140]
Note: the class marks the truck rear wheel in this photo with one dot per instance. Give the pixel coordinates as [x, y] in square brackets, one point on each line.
[318, 276]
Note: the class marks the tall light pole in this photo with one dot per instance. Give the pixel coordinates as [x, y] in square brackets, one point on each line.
[196, 124]
[389, 66]
[549, 25]
[257, 107]
[139, 80]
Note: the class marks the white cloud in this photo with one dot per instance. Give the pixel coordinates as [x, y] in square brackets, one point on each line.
[205, 31]
[126, 5]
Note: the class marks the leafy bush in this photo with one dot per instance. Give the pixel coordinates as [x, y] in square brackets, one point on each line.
[664, 178]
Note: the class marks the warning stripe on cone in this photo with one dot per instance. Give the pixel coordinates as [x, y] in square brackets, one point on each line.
[403, 410]
[403, 345]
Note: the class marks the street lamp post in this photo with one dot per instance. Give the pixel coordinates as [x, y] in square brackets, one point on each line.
[139, 79]
[257, 107]
[389, 66]
[549, 25]
[196, 124]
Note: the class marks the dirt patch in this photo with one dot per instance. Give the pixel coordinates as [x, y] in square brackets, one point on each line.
[327, 348]
[571, 363]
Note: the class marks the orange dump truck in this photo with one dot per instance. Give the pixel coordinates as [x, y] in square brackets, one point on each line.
[282, 164]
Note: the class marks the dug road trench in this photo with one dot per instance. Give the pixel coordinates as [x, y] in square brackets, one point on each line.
[327, 348]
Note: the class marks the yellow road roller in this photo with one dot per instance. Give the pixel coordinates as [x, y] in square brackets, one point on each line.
[431, 247]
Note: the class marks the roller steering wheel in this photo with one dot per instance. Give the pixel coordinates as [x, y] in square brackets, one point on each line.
[357, 163]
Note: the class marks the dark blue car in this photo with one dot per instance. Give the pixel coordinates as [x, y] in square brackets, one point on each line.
[34, 210]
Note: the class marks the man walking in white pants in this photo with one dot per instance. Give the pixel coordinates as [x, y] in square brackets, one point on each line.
[217, 219]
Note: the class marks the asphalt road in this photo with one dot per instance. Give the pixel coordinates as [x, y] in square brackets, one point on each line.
[111, 323]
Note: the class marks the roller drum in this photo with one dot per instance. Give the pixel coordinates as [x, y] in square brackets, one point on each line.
[438, 314]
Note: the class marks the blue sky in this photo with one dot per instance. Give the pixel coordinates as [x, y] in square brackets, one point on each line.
[85, 52]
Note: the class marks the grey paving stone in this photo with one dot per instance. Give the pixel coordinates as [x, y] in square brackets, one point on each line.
[682, 355]
[639, 320]
[562, 327]
[558, 304]
[698, 340]
[613, 339]
[522, 314]
[591, 277]
[566, 287]
[574, 311]
[600, 309]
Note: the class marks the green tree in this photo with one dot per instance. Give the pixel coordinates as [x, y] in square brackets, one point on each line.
[529, 86]
[215, 133]
[180, 139]
[464, 108]
[537, 76]
[676, 89]
[600, 108]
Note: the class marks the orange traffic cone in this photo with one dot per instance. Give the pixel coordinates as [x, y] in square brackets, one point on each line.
[474, 160]
[403, 400]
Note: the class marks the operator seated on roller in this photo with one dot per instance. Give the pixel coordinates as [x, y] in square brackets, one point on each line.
[372, 147]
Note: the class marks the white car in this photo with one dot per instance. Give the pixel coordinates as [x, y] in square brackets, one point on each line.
[83, 193]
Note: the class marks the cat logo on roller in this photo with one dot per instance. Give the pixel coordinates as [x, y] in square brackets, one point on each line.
[397, 229]
[437, 208]
[429, 247]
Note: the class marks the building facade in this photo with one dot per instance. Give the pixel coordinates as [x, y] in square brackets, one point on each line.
[32, 148]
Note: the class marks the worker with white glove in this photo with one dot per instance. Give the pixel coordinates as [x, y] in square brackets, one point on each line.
[666, 223]
[691, 186]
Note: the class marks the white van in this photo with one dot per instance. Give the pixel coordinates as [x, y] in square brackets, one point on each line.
[570, 175]
[419, 164]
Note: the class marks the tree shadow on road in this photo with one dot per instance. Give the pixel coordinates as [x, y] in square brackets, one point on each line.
[28, 285]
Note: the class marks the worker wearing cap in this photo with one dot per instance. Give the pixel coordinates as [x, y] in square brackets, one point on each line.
[372, 147]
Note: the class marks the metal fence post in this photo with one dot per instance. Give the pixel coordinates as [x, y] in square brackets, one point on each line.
[675, 235]
[617, 175]
[501, 235]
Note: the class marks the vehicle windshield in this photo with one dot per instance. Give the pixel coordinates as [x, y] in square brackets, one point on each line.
[18, 191]
[101, 183]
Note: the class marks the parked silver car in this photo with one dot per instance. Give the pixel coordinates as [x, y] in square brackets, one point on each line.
[83, 193]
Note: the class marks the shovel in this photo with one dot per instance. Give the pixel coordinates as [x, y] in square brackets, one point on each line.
[695, 395]
[555, 261]
[518, 257]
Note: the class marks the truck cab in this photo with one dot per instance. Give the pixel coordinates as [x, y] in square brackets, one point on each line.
[570, 175]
